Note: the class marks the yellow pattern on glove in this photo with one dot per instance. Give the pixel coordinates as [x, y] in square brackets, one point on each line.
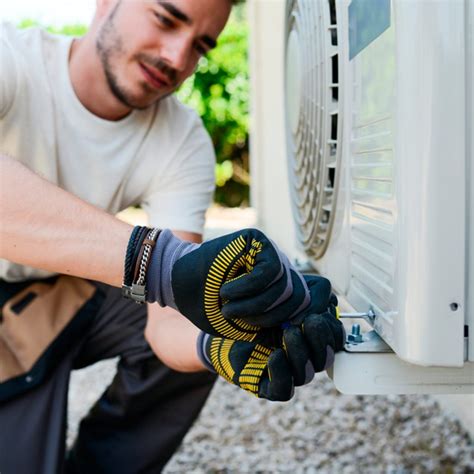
[252, 371]
[251, 374]
[220, 350]
[227, 266]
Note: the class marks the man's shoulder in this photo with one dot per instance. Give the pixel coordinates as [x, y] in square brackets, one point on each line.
[19, 37]
[177, 135]
[179, 123]
[31, 49]
[174, 110]
[8, 31]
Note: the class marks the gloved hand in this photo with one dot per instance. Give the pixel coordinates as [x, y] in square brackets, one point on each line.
[230, 286]
[312, 337]
[310, 345]
[258, 369]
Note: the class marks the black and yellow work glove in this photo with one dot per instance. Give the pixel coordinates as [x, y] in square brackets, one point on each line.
[311, 340]
[258, 369]
[228, 287]
[284, 356]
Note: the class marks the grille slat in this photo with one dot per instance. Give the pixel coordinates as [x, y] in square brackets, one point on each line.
[314, 118]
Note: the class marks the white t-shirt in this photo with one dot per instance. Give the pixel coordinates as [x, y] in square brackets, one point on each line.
[161, 158]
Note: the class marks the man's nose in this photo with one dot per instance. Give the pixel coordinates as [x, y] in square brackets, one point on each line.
[177, 54]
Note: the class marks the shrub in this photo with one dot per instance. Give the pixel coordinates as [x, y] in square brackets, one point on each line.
[219, 91]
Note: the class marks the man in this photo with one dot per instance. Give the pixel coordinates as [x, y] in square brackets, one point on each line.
[94, 123]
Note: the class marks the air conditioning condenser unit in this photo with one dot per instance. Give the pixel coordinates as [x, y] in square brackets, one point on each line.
[378, 128]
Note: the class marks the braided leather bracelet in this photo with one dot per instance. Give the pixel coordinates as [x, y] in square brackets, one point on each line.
[136, 253]
[127, 271]
[143, 247]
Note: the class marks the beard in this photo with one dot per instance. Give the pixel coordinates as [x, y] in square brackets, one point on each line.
[110, 46]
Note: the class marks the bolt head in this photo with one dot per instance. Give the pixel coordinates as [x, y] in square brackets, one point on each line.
[355, 338]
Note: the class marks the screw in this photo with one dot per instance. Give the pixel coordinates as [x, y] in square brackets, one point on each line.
[369, 314]
[355, 336]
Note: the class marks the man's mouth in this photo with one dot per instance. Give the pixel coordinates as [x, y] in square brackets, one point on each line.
[157, 79]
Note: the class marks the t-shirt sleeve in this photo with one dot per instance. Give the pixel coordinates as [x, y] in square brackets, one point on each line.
[179, 199]
[8, 72]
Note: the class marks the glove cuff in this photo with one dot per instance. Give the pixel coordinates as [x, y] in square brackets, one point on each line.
[201, 343]
[168, 249]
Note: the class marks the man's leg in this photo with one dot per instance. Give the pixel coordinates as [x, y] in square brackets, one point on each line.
[33, 425]
[144, 414]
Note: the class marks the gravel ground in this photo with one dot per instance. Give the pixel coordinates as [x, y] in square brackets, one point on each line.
[318, 431]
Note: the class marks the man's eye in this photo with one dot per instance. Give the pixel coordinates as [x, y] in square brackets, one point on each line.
[200, 49]
[165, 21]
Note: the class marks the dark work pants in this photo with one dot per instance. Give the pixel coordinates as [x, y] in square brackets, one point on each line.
[134, 427]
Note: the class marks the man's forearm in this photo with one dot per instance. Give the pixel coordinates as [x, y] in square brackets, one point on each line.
[173, 339]
[43, 226]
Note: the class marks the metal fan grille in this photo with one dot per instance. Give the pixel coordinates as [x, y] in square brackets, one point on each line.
[313, 114]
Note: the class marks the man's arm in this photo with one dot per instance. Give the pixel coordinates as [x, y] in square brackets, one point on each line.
[171, 336]
[45, 227]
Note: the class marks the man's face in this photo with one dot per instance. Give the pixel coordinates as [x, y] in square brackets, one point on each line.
[149, 47]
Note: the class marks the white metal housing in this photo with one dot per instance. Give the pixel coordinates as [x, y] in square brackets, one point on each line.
[399, 207]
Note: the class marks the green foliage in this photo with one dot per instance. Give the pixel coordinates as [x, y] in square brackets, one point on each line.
[70, 30]
[219, 92]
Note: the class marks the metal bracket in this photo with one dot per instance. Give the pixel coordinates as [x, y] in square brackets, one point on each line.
[371, 342]
[356, 341]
